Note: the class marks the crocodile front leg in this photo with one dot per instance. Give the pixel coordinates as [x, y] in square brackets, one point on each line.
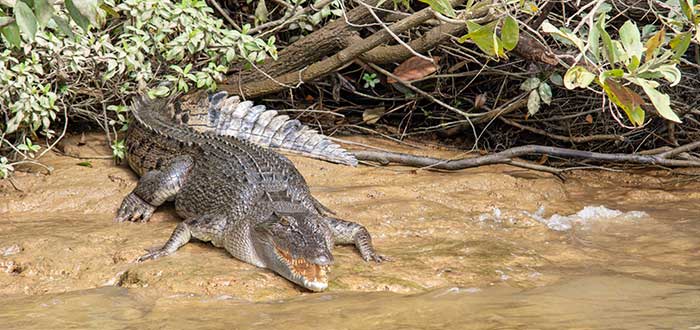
[346, 232]
[205, 228]
[153, 189]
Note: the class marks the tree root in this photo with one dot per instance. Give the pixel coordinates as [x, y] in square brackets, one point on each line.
[509, 156]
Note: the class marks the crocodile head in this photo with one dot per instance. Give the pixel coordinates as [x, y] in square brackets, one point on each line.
[297, 246]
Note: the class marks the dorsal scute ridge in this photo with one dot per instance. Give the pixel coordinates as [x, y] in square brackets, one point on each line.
[230, 116]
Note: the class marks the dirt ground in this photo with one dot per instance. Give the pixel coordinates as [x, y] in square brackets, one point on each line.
[464, 229]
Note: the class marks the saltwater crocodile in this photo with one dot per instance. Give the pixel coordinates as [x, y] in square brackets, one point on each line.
[248, 199]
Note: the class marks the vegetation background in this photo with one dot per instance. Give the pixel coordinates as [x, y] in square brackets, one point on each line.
[547, 85]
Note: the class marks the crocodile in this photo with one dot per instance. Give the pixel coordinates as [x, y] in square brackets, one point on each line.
[236, 194]
[232, 117]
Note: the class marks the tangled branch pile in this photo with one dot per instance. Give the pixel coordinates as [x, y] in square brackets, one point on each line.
[606, 77]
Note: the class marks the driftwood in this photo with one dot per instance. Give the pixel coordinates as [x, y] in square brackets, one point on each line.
[509, 156]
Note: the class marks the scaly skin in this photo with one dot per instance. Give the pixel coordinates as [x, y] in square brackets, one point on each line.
[244, 198]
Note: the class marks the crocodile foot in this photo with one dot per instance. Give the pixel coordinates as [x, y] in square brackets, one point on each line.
[373, 256]
[134, 208]
[153, 255]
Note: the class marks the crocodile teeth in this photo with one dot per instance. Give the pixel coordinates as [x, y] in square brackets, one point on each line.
[313, 274]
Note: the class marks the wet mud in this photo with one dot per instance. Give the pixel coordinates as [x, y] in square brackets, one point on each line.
[460, 241]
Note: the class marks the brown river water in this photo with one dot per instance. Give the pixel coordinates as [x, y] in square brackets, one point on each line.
[487, 248]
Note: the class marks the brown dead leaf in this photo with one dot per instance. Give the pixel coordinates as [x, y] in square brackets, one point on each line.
[372, 115]
[654, 42]
[589, 119]
[625, 95]
[414, 68]
[479, 101]
[309, 98]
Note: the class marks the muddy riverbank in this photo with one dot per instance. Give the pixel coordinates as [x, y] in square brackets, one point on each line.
[477, 230]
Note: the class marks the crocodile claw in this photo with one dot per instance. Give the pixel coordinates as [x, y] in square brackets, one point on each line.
[153, 255]
[134, 208]
[378, 258]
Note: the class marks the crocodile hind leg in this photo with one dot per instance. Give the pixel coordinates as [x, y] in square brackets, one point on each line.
[205, 228]
[153, 189]
[346, 232]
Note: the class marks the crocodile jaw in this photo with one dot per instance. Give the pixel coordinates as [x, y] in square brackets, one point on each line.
[307, 274]
[315, 286]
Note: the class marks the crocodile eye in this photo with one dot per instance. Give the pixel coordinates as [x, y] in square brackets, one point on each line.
[286, 220]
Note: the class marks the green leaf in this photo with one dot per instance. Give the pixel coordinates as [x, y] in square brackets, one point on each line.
[530, 84]
[687, 9]
[607, 41]
[680, 44]
[43, 11]
[484, 37]
[90, 10]
[14, 122]
[86, 164]
[631, 41]
[604, 8]
[533, 103]
[63, 26]
[661, 101]
[261, 12]
[77, 17]
[159, 91]
[11, 34]
[556, 79]
[616, 73]
[109, 10]
[510, 33]
[545, 92]
[25, 20]
[441, 6]
[620, 53]
[627, 99]
[6, 20]
[578, 76]
[118, 149]
[669, 72]
[594, 43]
[551, 29]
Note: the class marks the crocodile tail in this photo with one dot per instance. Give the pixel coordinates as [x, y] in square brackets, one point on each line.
[229, 116]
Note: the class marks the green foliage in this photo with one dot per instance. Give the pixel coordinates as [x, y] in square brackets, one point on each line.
[118, 149]
[370, 79]
[30, 16]
[689, 20]
[77, 16]
[441, 6]
[121, 112]
[539, 92]
[5, 167]
[307, 23]
[150, 46]
[563, 35]
[578, 77]
[25, 20]
[510, 33]
[488, 40]
[618, 65]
